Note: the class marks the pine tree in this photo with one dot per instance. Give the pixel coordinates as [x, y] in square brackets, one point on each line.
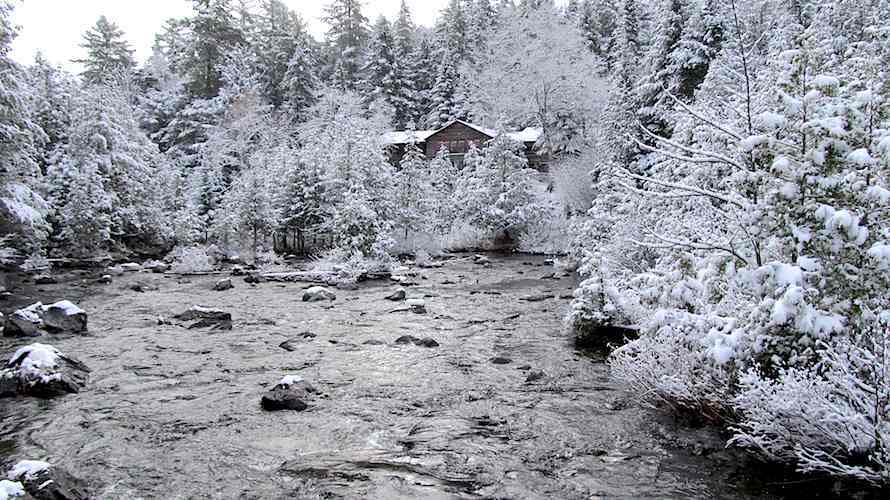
[380, 80]
[109, 56]
[301, 83]
[412, 187]
[53, 92]
[213, 33]
[278, 34]
[347, 35]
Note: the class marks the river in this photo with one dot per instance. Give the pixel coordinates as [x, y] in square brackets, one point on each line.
[174, 413]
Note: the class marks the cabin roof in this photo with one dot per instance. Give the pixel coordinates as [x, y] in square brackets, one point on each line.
[529, 134]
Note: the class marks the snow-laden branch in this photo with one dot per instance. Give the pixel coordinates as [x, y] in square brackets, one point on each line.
[715, 157]
[683, 187]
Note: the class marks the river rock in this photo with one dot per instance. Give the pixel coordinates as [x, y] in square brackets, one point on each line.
[481, 260]
[290, 393]
[41, 370]
[290, 345]
[410, 339]
[156, 266]
[205, 317]
[223, 285]
[396, 296]
[45, 279]
[104, 280]
[500, 360]
[318, 294]
[535, 376]
[417, 306]
[64, 316]
[43, 481]
[116, 270]
[237, 271]
[131, 267]
[25, 322]
[373, 342]
[539, 297]
[347, 285]
[255, 278]
[144, 286]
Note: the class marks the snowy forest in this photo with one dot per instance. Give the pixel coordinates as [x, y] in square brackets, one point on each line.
[717, 180]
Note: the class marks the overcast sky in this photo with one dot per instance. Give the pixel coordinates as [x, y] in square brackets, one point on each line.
[55, 26]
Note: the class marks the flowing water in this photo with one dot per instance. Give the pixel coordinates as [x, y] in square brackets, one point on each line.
[174, 413]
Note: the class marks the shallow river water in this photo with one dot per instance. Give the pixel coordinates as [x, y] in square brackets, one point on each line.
[174, 413]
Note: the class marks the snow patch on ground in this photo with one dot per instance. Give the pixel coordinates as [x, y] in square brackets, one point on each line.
[28, 469]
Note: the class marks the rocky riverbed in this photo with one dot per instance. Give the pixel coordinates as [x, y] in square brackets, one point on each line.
[498, 405]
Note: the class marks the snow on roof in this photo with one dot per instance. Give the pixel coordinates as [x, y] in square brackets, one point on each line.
[529, 134]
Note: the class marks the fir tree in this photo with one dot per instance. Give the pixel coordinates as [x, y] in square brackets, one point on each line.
[347, 35]
[109, 56]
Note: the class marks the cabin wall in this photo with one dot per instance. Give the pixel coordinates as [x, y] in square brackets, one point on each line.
[457, 138]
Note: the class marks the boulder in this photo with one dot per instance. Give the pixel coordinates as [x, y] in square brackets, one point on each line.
[144, 286]
[535, 376]
[41, 370]
[116, 270]
[417, 306]
[130, 267]
[290, 393]
[205, 317]
[318, 294]
[105, 279]
[410, 339]
[538, 297]
[255, 278]
[45, 279]
[237, 271]
[25, 322]
[397, 296]
[373, 342]
[223, 285]
[500, 360]
[481, 260]
[156, 266]
[64, 316]
[43, 481]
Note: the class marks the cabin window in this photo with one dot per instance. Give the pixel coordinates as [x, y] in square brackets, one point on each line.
[457, 160]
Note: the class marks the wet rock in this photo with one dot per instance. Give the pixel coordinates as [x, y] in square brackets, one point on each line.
[318, 294]
[417, 306]
[373, 342]
[104, 280]
[524, 368]
[537, 297]
[291, 393]
[41, 370]
[143, 286]
[347, 285]
[291, 345]
[24, 322]
[481, 260]
[410, 339]
[566, 296]
[43, 481]
[535, 376]
[237, 271]
[116, 270]
[397, 296]
[551, 276]
[500, 360]
[45, 279]
[156, 266]
[255, 278]
[131, 267]
[223, 285]
[64, 316]
[549, 262]
[205, 317]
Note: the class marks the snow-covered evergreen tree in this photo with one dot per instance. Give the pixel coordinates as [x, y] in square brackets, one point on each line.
[108, 55]
[347, 36]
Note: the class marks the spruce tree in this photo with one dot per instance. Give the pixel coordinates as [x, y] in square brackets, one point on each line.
[109, 56]
[347, 36]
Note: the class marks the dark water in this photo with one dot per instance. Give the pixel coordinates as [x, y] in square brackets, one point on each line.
[174, 413]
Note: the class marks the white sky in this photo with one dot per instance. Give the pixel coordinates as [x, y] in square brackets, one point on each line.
[55, 26]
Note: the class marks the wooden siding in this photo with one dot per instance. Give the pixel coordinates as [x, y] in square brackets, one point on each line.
[457, 138]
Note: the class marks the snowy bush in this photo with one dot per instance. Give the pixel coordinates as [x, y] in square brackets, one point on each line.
[551, 237]
[350, 266]
[192, 260]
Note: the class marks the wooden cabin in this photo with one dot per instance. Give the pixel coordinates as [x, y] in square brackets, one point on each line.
[457, 137]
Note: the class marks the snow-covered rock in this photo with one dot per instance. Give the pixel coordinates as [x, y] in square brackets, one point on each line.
[105, 279]
[41, 370]
[205, 317]
[156, 266]
[255, 278]
[397, 296]
[237, 271]
[481, 260]
[410, 339]
[64, 316]
[290, 393]
[25, 322]
[11, 489]
[417, 306]
[28, 469]
[43, 481]
[223, 285]
[45, 279]
[131, 267]
[318, 294]
[116, 270]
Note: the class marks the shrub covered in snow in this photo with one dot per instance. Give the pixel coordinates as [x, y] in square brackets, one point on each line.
[193, 259]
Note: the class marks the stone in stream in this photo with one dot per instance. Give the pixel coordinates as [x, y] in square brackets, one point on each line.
[538, 297]
[156, 266]
[535, 376]
[347, 285]
[290, 345]
[144, 286]
[318, 294]
[116, 270]
[25, 322]
[237, 271]
[64, 316]
[481, 260]
[43, 481]
[417, 306]
[373, 342]
[254, 278]
[397, 296]
[104, 280]
[45, 279]
[41, 370]
[223, 285]
[131, 267]
[290, 393]
[205, 317]
[410, 339]
[500, 360]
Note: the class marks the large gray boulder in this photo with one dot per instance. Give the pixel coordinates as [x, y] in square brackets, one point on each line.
[64, 316]
[318, 294]
[43, 481]
[41, 370]
[291, 393]
[205, 317]
[25, 322]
